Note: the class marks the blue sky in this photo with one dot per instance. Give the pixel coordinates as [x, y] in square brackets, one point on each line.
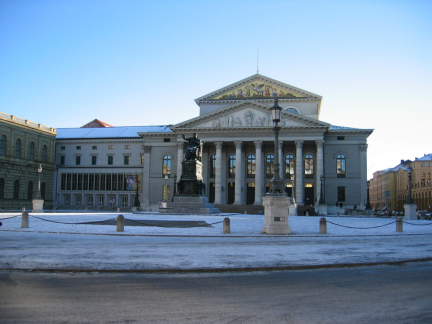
[65, 63]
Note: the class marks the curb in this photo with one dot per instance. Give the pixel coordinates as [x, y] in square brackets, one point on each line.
[223, 270]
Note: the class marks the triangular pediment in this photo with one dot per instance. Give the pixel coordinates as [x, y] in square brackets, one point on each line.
[257, 87]
[248, 115]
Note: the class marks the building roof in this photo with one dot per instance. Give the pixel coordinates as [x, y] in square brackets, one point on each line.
[109, 132]
[96, 123]
[426, 157]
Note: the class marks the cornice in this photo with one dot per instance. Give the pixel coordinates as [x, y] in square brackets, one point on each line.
[94, 141]
[212, 102]
[161, 134]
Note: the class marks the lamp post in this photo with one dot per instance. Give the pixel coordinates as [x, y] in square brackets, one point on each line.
[410, 199]
[276, 183]
[175, 186]
[137, 203]
[321, 201]
[166, 196]
[368, 205]
[293, 186]
[38, 195]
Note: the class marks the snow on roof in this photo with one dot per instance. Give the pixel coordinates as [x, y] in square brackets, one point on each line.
[109, 132]
[426, 157]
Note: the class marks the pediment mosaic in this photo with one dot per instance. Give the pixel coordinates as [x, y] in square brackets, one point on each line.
[256, 90]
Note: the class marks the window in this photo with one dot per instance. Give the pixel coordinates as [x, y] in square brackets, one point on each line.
[251, 164]
[110, 160]
[31, 151]
[30, 190]
[62, 159]
[94, 147]
[110, 147]
[3, 145]
[270, 165]
[126, 159]
[341, 165]
[62, 147]
[309, 162]
[167, 139]
[293, 111]
[94, 159]
[231, 165]
[166, 165]
[78, 147]
[124, 201]
[127, 147]
[18, 148]
[341, 194]
[44, 153]
[78, 160]
[16, 189]
[289, 165]
[142, 159]
[2, 188]
[341, 138]
[212, 166]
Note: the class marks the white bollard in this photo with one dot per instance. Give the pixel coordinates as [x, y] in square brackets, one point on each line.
[323, 226]
[120, 223]
[25, 220]
[399, 225]
[226, 226]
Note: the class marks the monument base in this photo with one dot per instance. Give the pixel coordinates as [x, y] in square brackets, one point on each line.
[38, 206]
[190, 205]
[276, 215]
[410, 211]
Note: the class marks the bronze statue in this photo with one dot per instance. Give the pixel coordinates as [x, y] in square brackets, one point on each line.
[193, 151]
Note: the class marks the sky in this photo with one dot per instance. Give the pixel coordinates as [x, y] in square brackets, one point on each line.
[138, 62]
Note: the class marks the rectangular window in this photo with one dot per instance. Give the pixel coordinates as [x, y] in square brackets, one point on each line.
[110, 147]
[94, 147]
[341, 138]
[124, 201]
[78, 160]
[62, 159]
[78, 147]
[126, 159]
[341, 194]
[62, 147]
[167, 139]
[94, 159]
[110, 160]
[127, 147]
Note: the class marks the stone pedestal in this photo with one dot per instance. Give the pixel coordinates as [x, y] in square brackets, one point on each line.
[37, 206]
[321, 210]
[410, 211]
[276, 215]
[293, 210]
[190, 205]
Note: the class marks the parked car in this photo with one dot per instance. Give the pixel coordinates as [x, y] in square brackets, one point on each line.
[423, 214]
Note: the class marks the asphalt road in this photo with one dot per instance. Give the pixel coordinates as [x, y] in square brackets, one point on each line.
[380, 294]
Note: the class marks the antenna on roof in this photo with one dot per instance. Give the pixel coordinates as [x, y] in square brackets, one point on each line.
[257, 61]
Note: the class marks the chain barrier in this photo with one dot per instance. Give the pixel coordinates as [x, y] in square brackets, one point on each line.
[417, 224]
[206, 225]
[10, 217]
[361, 227]
[51, 221]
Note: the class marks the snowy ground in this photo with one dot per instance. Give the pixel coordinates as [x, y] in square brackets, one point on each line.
[241, 225]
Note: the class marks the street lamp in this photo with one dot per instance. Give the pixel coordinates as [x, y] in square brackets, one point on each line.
[137, 203]
[175, 186]
[410, 199]
[321, 201]
[276, 183]
[38, 195]
[368, 205]
[293, 186]
[166, 196]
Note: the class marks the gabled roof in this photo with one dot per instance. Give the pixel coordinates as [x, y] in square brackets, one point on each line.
[96, 123]
[109, 132]
[254, 87]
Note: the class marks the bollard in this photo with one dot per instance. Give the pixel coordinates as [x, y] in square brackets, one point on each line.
[118, 210]
[245, 212]
[54, 209]
[323, 226]
[399, 225]
[23, 209]
[85, 210]
[226, 226]
[120, 223]
[25, 220]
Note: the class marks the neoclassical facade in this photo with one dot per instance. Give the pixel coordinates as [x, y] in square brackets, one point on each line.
[238, 152]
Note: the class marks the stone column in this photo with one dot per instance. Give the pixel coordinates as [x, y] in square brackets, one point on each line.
[145, 183]
[238, 173]
[319, 168]
[363, 174]
[218, 175]
[299, 173]
[258, 173]
[180, 157]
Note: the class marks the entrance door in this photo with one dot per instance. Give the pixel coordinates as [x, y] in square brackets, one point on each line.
[309, 195]
[231, 192]
[211, 192]
[250, 195]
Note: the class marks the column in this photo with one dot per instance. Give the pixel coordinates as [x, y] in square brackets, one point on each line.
[145, 183]
[319, 168]
[238, 173]
[258, 173]
[299, 173]
[281, 159]
[218, 175]
[363, 174]
[180, 157]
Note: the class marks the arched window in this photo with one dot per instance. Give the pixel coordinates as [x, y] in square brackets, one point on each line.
[231, 165]
[289, 165]
[3, 145]
[16, 190]
[270, 165]
[18, 148]
[44, 153]
[166, 166]
[31, 151]
[309, 165]
[341, 165]
[30, 190]
[293, 111]
[212, 166]
[2, 188]
[251, 163]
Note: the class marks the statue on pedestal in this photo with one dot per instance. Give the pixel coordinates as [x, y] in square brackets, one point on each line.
[193, 151]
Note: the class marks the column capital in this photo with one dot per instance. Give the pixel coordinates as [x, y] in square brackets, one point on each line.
[180, 144]
[238, 144]
[319, 143]
[363, 147]
[258, 144]
[218, 144]
[299, 143]
[147, 149]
